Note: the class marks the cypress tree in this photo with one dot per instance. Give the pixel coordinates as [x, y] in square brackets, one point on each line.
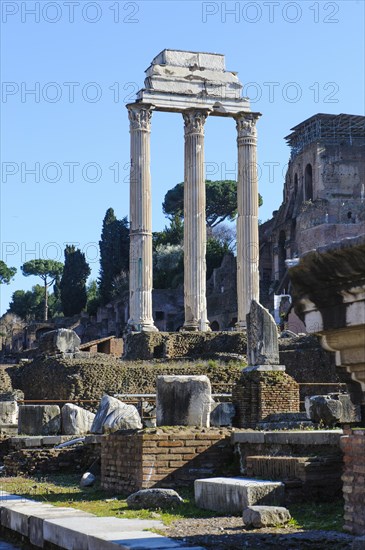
[114, 253]
[73, 282]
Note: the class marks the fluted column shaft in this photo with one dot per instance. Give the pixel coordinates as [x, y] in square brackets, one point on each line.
[141, 265]
[194, 223]
[247, 218]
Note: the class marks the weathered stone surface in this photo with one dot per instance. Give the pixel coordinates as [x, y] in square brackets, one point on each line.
[59, 341]
[154, 498]
[12, 395]
[265, 516]
[230, 495]
[332, 409]
[262, 337]
[8, 412]
[76, 420]
[183, 401]
[113, 415]
[39, 419]
[222, 414]
[87, 480]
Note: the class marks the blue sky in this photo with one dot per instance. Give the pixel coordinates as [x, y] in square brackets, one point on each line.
[65, 146]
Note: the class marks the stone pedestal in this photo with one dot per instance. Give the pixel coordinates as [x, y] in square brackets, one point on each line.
[262, 391]
[194, 223]
[183, 401]
[247, 218]
[141, 267]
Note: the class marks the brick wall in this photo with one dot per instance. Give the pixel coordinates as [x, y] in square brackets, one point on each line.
[163, 458]
[353, 447]
[259, 394]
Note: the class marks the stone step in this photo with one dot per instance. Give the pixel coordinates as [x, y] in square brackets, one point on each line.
[231, 495]
[73, 529]
[317, 477]
[293, 467]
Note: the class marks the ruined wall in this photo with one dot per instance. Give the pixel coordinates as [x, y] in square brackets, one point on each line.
[72, 379]
[152, 345]
[69, 460]
[311, 366]
[164, 458]
[353, 447]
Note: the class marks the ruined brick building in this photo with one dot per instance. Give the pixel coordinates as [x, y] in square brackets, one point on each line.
[323, 196]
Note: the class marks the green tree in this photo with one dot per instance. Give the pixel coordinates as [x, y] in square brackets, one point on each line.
[49, 271]
[29, 305]
[6, 273]
[221, 201]
[73, 282]
[93, 297]
[173, 234]
[216, 250]
[168, 266]
[114, 253]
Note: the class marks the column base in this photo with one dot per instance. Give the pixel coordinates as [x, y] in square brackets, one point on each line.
[141, 327]
[240, 326]
[190, 327]
[196, 326]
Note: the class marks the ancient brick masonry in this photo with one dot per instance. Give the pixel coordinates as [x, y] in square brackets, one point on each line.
[163, 458]
[353, 446]
[259, 394]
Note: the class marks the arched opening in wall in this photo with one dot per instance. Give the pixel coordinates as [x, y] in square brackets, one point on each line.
[282, 254]
[214, 326]
[295, 185]
[308, 183]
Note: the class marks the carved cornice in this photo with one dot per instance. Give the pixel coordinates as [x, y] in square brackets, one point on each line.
[246, 125]
[194, 122]
[331, 278]
[140, 117]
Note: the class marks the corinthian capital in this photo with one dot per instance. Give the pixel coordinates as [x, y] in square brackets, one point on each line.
[246, 125]
[194, 121]
[140, 117]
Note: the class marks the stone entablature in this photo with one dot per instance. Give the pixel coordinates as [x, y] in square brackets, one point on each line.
[178, 80]
[196, 85]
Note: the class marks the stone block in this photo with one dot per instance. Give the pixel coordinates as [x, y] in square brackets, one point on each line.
[113, 415]
[59, 341]
[183, 401]
[265, 516]
[76, 420]
[101, 533]
[222, 414]
[262, 337]
[232, 495]
[332, 409]
[39, 419]
[37, 519]
[8, 412]
[154, 498]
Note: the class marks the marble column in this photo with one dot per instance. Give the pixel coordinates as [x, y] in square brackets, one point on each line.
[194, 223]
[140, 256]
[247, 218]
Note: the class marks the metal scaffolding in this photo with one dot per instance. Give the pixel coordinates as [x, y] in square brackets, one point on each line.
[328, 129]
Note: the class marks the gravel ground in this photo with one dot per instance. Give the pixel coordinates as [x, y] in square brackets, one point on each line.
[227, 533]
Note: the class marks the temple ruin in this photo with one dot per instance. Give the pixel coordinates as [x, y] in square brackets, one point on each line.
[196, 85]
